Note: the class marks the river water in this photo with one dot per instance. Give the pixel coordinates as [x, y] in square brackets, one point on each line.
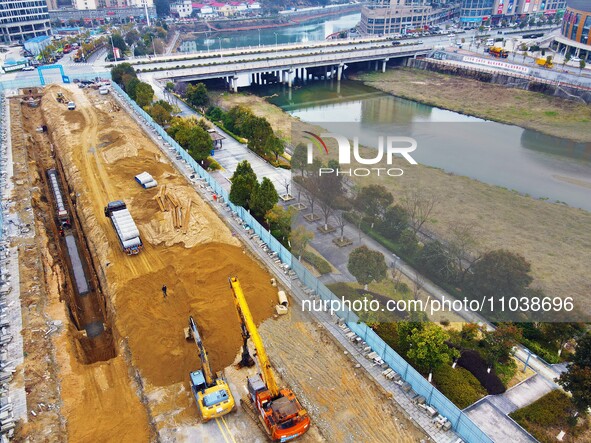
[508, 156]
[310, 31]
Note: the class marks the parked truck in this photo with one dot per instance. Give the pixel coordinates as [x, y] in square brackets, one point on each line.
[127, 231]
[545, 62]
[498, 52]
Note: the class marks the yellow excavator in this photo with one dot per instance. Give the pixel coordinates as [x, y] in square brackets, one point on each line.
[212, 394]
[279, 411]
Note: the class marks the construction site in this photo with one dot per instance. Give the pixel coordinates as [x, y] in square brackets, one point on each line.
[116, 366]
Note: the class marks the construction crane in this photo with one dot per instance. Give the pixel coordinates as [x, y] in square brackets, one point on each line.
[280, 412]
[212, 394]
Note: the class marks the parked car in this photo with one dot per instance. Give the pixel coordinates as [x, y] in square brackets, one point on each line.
[104, 90]
[572, 59]
[395, 43]
[71, 106]
[29, 68]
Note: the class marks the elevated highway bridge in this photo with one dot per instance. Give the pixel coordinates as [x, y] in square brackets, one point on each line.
[283, 64]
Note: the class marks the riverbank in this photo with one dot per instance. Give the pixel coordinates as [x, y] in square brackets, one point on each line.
[549, 115]
[553, 237]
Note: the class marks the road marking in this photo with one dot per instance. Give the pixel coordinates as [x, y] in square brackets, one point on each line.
[223, 432]
[229, 432]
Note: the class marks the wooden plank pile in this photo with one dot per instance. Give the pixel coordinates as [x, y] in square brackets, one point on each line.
[168, 202]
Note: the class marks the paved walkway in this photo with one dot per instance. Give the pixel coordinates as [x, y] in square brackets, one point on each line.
[232, 153]
[491, 413]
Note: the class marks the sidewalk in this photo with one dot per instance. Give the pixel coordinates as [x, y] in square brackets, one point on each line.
[232, 153]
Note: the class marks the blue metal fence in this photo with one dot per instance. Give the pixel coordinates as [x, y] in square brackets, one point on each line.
[469, 431]
[32, 82]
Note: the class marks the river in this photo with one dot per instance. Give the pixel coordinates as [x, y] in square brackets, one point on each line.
[526, 161]
[313, 30]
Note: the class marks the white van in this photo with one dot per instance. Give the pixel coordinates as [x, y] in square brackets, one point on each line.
[490, 42]
[71, 106]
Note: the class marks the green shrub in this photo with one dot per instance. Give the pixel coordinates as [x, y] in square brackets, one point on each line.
[213, 165]
[506, 371]
[318, 262]
[536, 348]
[549, 415]
[457, 384]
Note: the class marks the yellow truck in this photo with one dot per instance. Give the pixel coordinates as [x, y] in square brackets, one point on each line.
[545, 62]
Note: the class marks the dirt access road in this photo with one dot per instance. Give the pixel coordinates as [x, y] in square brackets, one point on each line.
[102, 149]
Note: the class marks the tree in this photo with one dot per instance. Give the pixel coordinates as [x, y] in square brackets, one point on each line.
[498, 343]
[197, 95]
[460, 247]
[299, 159]
[367, 265]
[394, 221]
[577, 378]
[560, 333]
[341, 222]
[132, 37]
[428, 348]
[144, 94]
[419, 205]
[499, 273]
[130, 85]
[582, 65]
[577, 381]
[409, 243]
[434, 259]
[280, 223]
[299, 239]
[373, 200]
[566, 59]
[264, 198]
[192, 137]
[241, 190]
[117, 72]
[244, 181]
[273, 146]
[119, 42]
[160, 115]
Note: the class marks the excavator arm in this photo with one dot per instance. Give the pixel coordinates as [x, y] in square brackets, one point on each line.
[249, 327]
[202, 354]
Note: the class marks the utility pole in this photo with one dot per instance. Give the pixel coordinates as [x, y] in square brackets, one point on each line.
[113, 46]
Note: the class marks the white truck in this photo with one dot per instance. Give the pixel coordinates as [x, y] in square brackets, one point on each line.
[127, 231]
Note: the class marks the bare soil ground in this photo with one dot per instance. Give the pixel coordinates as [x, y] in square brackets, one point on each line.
[144, 390]
[344, 404]
[550, 115]
[553, 237]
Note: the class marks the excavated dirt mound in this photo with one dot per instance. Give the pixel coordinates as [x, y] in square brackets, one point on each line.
[102, 150]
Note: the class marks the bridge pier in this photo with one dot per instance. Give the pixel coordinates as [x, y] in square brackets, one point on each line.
[384, 63]
[340, 72]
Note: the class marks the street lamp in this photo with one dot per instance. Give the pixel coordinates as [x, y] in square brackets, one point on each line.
[259, 37]
[275, 38]
[220, 39]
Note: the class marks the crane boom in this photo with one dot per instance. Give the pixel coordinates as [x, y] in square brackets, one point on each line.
[247, 320]
[202, 354]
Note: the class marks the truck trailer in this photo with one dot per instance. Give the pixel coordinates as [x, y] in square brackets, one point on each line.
[127, 231]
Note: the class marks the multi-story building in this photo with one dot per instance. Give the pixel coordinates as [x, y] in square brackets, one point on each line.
[181, 8]
[22, 20]
[397, 16]
[575, 35]
[476, 12]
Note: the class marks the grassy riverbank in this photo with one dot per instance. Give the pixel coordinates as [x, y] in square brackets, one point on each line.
[550, 115]
[553, 237]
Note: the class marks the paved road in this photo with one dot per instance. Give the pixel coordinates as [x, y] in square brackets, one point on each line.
[232, 151]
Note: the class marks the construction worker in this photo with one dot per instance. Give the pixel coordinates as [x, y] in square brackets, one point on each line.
[164, 288]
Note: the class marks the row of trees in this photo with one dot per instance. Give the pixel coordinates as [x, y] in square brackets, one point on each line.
[257, 130]
[190, 133]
